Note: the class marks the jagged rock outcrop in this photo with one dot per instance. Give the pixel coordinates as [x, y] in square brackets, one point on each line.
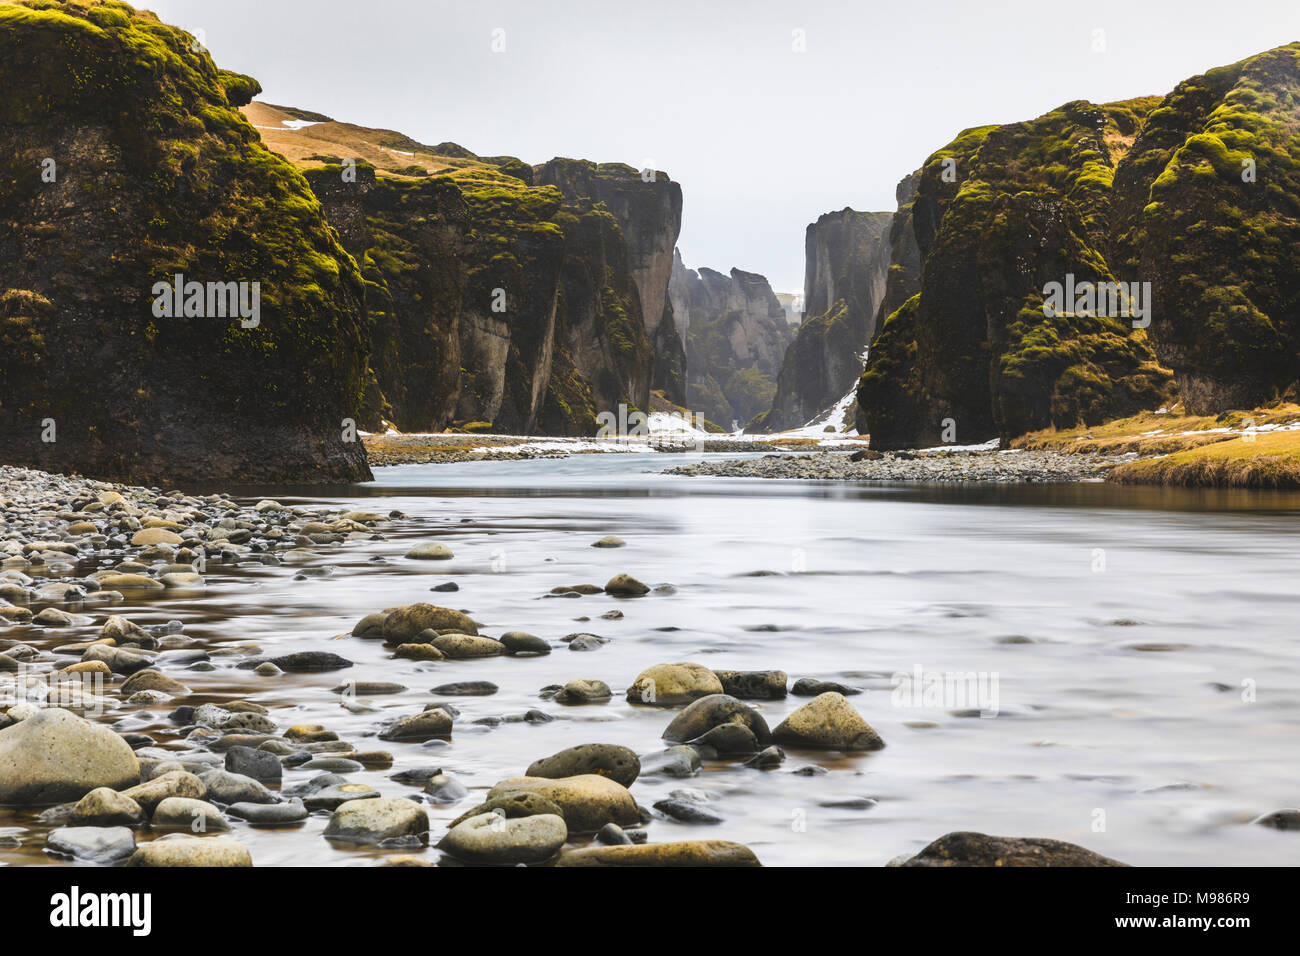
[1197, 194]
[123, 163]
[498, 294]
[1206, 207]
[845, 275]
[736, 334]
[648, 208]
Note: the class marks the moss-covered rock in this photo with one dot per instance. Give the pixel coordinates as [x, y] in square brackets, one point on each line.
[497, 294]
[997, 215]
[123, 163]
[1207, 208]
[1197, 194]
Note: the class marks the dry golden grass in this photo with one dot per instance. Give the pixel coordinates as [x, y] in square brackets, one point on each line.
[1150, 433]
[1268, 460]
[385, 149]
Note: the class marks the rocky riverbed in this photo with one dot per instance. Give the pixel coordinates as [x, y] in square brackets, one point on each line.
[444, 449]
[129, 741]
[983, 465]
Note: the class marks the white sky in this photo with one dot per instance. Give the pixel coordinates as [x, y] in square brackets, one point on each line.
[762, 139]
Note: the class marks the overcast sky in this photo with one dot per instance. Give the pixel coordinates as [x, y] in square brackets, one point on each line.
[762, 138]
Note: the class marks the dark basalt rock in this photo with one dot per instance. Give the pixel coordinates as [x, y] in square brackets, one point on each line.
[980, 849]
[847, 265]
[156, 173]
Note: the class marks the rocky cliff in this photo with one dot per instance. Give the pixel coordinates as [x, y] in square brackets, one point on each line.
[499, 295]
[847, 258]
[647, 205]
[736, 333]
[1197, 194]
[1206, 207]
[123, 164]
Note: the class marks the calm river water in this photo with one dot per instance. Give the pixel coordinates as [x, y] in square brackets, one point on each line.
[1142, 643]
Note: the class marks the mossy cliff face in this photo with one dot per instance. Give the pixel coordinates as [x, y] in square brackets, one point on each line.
[647, 205]
[461, 279]
[997, 215]
[845, 278]
[1207, 208]
[496, 292]
[156, 173]
[1196, 193]
[736, 334]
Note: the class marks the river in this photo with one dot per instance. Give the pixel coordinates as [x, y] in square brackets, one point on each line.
[1141, 645]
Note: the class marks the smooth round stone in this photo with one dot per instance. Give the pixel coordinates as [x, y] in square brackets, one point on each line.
[520, 804]
[270, 814]
[56, 756]
[727, 740]
[182, 580]
[811, 687]
[174, 783]
[586, 642]
[466, 646]
[401, 624]
[468, 688]
[520, 643]
[673, 762]
[333, 797]
[754, 685]
[183, 813]
[965, 848]
[624, 585]
[310, 662]
[767, 759]
[607, 760]
[1286, 819]
[149, 679]
[103, 807]
[611, 834]
[418, 652]
[258, 764]
[445, 789]
[119, 659]
[827, 722]
[430, 551]
[495, 839]
[227, 788]
[119, 629]
[267, 669]
[333, 765]
[708, 712]
[686, 811]
[588, 802]
[690, 853]
[670, 685]
[148, 537]
[582, 691]
[371, 626]
[129, 582]
[421, 726]
[609, 541]
[376, 820]
[53, 617]
[181, 850]
[354, 688]
[91, 844]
